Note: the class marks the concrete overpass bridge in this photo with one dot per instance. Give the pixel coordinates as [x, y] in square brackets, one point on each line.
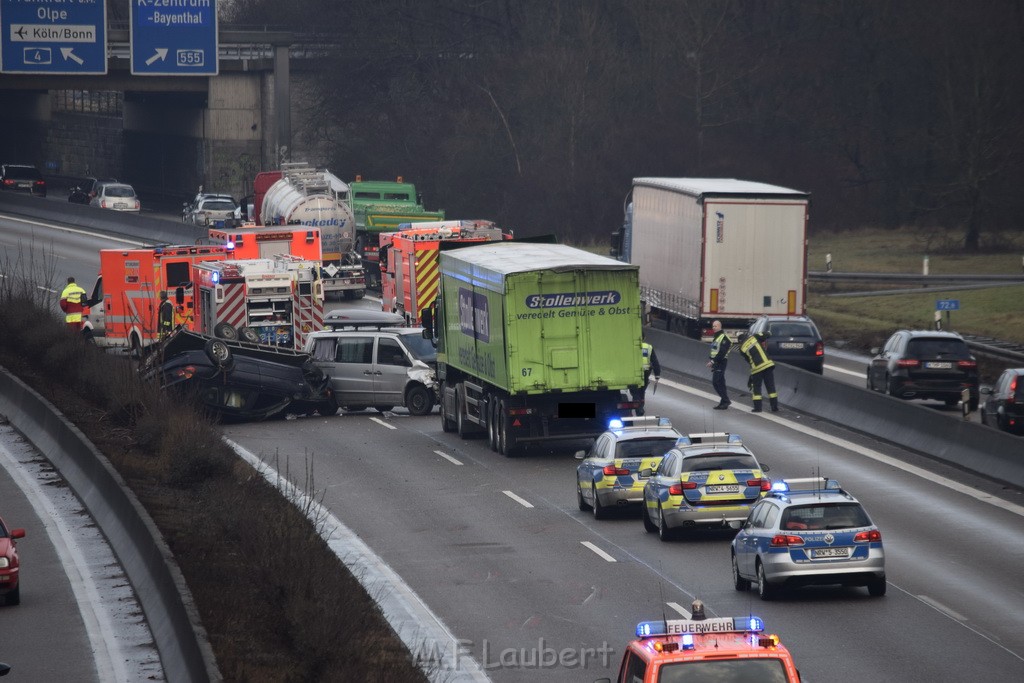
[165, 134]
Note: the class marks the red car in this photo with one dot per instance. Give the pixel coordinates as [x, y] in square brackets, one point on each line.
[10, 588]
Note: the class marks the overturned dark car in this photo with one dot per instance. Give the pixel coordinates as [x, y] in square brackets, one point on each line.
[235, 380]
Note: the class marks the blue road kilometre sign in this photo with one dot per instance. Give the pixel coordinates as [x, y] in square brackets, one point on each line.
[174, 37]
[947, 304]
[59, 37]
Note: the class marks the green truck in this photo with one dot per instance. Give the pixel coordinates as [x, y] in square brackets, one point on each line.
[535, 342]
[381, 206]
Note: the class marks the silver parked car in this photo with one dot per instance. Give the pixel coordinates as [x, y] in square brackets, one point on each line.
[808, 531]
[609, 475]
[116, 196]
[209, 209]
[382, 368]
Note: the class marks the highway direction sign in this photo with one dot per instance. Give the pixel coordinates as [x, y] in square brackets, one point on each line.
[174, 37]
[68, 37]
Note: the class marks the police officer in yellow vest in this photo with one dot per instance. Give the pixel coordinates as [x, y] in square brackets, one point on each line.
[762, 368]
[651, 366]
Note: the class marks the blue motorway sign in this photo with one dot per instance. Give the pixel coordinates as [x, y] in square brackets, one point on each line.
[56, 37]
[174, 37]
[947, 304]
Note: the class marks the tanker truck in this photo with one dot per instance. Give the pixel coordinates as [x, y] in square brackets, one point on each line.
[299, 194]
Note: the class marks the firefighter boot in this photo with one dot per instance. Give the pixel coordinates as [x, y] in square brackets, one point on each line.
[775, 403]
[757, 406]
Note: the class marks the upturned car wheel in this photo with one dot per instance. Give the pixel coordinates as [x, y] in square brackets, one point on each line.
[738, 582]
[765, 590]
[248, 334]
[218, 352]
[225, 331]
[418, 400]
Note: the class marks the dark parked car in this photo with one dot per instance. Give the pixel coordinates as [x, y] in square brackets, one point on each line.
[793, 340]
[83, 194]
[1003, 405]
[925, 364]
[22, 178]
[238, 380]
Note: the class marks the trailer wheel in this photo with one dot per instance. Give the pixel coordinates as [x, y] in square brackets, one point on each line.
[249, 335]
[509, 448]
[492, 428]
[225, 331]
[218, 352]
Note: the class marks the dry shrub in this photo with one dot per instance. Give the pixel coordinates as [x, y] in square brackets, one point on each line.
[278, 605]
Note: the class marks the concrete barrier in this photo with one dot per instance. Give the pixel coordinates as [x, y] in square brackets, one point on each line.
[144, 228]
[185, 652]
[971, 446]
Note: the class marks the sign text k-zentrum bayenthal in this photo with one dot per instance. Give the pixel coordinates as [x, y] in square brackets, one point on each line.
[174, 37]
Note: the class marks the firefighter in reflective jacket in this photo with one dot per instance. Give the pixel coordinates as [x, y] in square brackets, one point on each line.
[72, 302]
[165, 317]
[762, 368]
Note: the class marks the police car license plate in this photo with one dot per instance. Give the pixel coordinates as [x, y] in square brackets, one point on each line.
[722, 489]
[831, 552]
[791, 345]
[935, 365]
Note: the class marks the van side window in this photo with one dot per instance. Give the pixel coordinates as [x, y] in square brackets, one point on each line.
[354, 350]
[323, 350]
[389, 352]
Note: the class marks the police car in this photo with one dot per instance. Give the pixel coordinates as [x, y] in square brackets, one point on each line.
[724, 649]
[609, 474]
[808, 531]
[707, 480]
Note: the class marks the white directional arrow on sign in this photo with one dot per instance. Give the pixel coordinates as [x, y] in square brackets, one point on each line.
[68, 53]
[161, 54]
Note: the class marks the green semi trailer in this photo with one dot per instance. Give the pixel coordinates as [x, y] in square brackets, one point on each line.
[536, 342]
[381, 206]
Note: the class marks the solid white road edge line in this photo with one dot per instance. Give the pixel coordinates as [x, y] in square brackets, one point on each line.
[600, 553]
[868, 453]
[521, 501]
[106, 654]
[854, 373]
[76, 231]
[449, 458]
[420, 629]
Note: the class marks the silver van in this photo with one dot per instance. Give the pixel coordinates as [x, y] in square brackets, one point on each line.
[382, 368]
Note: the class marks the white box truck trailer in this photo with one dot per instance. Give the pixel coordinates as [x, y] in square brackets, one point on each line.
[717, 249]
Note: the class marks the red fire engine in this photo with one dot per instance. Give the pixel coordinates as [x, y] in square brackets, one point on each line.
[126, 297]
[250, 241]
[409, 260]
[277, 301]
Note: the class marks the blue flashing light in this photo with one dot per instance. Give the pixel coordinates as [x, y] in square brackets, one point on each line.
[215, 277]
[755, 624]
[684, 441]
[735, 438]
[615, 423]
[229, 246]
[780, 486]
[686, 641]
[649, 628]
